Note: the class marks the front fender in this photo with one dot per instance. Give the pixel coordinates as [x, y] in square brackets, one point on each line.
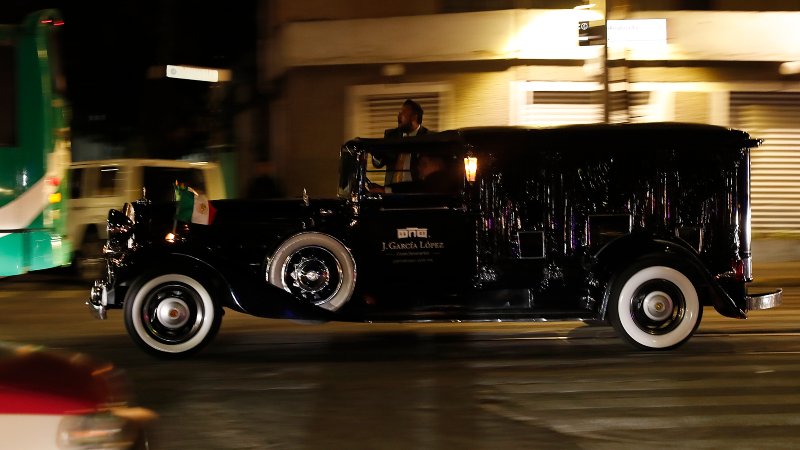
[234, 285]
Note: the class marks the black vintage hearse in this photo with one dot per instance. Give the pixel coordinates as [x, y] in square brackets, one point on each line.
[638, 226]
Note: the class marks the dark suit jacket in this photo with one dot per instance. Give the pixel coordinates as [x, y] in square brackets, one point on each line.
[389, 160]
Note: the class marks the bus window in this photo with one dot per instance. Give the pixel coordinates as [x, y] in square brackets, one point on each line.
[8, 89]
[56, 69]
[76, 183]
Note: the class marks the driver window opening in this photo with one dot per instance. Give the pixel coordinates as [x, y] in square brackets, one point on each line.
[414, 173]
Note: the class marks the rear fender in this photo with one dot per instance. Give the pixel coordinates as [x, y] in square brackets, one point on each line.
[614, 257]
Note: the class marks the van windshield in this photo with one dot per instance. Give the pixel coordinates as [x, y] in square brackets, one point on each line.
[159, 182]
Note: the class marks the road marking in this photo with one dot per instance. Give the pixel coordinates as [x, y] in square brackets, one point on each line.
[751, 333]
[613, 336]
[49, 295]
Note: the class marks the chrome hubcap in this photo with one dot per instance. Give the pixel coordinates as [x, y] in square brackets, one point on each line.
[657, 305]
[311, 275]
[172, 313]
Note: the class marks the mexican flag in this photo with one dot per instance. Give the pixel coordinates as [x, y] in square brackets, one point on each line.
[192, 206]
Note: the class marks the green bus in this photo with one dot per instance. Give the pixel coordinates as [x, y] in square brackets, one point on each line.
[34, 146]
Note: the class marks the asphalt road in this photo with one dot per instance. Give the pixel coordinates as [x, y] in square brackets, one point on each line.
[266, 384]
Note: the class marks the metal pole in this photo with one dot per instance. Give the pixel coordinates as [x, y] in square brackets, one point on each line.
[606, 96]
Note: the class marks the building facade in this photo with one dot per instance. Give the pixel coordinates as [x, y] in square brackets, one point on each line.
[336, 72]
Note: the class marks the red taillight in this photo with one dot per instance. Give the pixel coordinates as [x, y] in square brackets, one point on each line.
[52, 181]
[742, 269]
[54, 22]
[738, 270]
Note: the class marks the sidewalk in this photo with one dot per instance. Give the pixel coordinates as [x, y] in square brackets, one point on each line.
[776, 261]
[777, 273]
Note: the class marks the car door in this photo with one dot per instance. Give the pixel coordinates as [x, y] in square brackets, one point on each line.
[416, 246]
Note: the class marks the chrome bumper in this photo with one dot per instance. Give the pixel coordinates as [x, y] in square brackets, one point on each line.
[98, 300]
[764, 301]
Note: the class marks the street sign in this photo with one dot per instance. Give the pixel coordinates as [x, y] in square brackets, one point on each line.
[591, 35]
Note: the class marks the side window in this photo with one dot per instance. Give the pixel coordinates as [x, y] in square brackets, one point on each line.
[439, 173]
[389, 168]
[416, 173]
[54, 53]
[76, 183]
[159, 182]
[8, 91]
[106, 181]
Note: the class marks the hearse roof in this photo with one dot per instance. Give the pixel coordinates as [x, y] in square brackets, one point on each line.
[663, 133]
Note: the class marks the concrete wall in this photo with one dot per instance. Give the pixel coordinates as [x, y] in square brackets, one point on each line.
[478, 54]
[314, 124]
[309, 124]
[528, 34]
[285, 11]
[481, 99]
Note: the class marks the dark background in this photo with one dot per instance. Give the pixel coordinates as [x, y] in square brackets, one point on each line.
[109, 46]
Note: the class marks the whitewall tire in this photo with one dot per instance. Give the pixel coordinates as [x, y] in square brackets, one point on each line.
[314, 267]
[171, 314]
[654, 307]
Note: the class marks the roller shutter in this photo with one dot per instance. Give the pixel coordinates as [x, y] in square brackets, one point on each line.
[775, 118]
[550, 108]
[378, 112]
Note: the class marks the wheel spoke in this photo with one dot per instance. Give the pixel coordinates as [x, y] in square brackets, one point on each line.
[313, 273]
[314, 267]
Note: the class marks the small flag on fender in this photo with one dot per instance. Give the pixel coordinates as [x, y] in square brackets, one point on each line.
[192, 206]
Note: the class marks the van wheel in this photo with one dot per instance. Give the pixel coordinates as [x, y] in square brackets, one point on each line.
[315, 267]
[89, 262]
[171, 315]
[654, 307]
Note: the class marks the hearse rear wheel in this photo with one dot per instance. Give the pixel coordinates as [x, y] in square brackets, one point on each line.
[654, 307]
[171, 315]
[315, 267]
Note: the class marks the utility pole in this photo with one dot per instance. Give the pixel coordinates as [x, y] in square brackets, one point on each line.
[606, 91]
[593, 31]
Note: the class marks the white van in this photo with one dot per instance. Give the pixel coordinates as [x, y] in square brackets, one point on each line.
[97, 186]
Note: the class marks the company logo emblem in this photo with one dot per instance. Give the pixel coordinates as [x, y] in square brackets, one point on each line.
[412, 232]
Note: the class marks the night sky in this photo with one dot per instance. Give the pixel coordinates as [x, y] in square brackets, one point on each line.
[108, 47]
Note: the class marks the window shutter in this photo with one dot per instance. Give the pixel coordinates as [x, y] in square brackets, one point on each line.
[549, 108]
[380, 111]
[640, 108]
[775, 166]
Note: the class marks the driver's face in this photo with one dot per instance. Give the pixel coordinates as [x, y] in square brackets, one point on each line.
[405, 119]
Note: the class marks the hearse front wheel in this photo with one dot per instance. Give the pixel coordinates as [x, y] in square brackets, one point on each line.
[171, 315]
[654, 307]
[315, 267]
